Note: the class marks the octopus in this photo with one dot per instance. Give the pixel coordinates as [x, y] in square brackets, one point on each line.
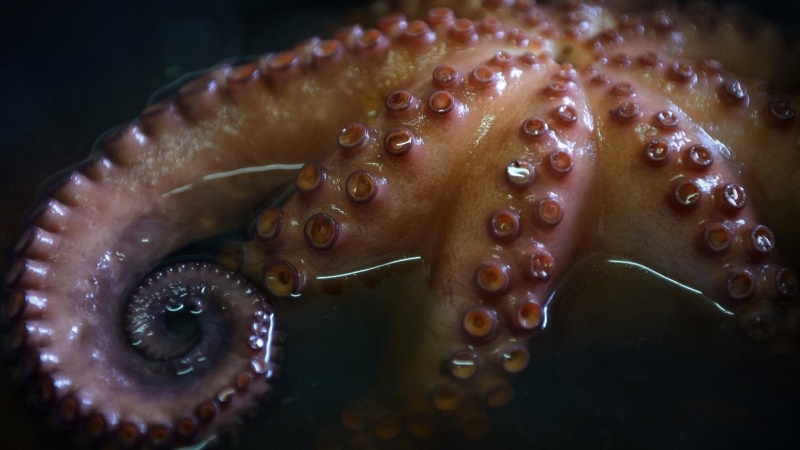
[446, 175]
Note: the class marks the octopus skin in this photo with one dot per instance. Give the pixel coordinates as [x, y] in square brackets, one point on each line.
[496, 151]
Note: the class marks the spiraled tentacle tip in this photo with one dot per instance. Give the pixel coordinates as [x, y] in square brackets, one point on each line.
[206, 337]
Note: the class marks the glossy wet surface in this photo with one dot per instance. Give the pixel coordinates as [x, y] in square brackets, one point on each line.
[627, 360]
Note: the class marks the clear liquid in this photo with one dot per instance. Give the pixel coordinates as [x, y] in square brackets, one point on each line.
[627, 360]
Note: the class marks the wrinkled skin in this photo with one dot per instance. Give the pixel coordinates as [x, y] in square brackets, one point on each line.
[517, 401]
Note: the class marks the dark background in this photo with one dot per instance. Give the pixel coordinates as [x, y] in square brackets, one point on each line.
[71, 70]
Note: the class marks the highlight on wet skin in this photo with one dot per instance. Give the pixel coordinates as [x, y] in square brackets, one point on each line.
[495, 143]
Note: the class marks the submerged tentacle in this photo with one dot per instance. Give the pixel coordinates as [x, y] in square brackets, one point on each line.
[555, 150]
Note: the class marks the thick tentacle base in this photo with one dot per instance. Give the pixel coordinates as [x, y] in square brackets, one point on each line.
[517, 156]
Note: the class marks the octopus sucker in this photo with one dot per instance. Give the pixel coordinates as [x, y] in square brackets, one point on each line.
[460, 161]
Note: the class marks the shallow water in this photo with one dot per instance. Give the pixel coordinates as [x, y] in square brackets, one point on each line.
[627, 360]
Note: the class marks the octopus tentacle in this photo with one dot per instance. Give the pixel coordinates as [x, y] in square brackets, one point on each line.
[550, 124]
[543, 138]
[83, 254]
[204, 158]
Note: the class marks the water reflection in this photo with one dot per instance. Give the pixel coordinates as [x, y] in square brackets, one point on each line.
[629, 359]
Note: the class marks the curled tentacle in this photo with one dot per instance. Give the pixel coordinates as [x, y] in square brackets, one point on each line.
[197, 349]
[192, 166]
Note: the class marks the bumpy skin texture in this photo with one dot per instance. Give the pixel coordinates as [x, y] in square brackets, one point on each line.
[500, 149]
